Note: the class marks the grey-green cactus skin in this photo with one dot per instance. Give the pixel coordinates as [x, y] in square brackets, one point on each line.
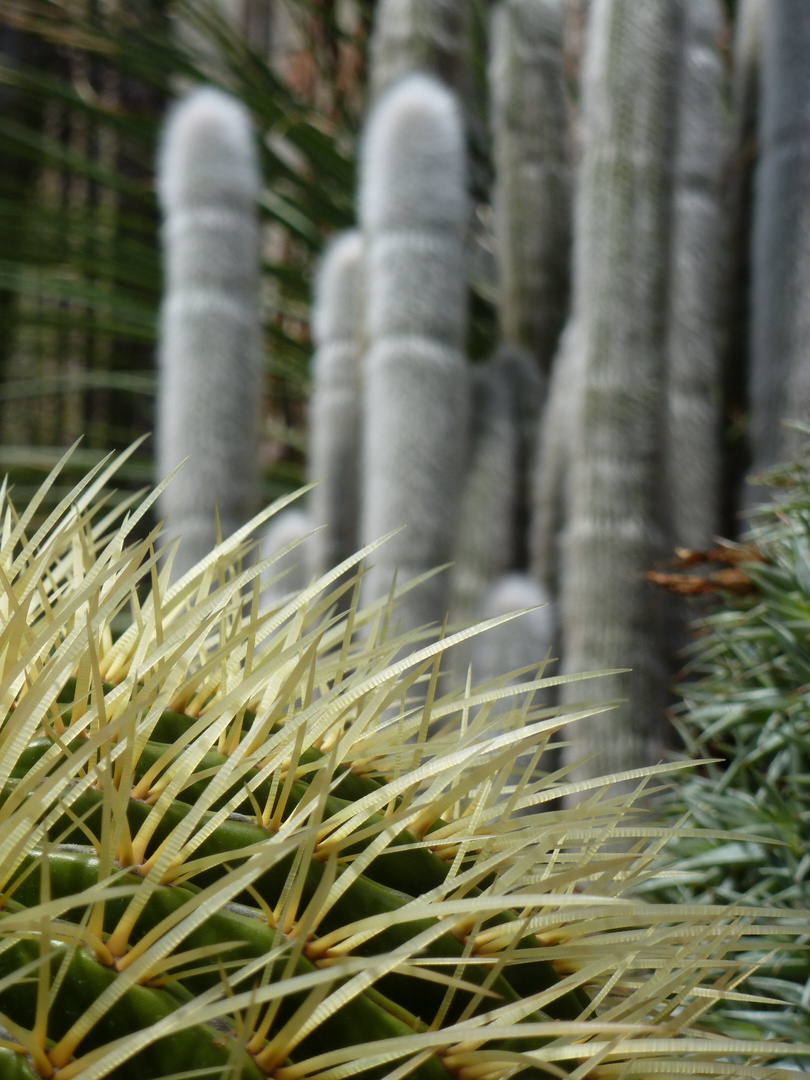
[527, 641]
[291, 539]
[421, 35]
[335, 415]
[610, 617]
[209, 351]
[533, 185]
[523, 641]
[738, 212]
[490, 536]
[780, 287]
[558, 425]
[693, 376]
[413, 206]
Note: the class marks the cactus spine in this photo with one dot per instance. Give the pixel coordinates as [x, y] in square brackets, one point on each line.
[692, 450]
[209, 352]
[621, 261]
[413, 206]
[780, 293]
[532, 196]
[335, 408]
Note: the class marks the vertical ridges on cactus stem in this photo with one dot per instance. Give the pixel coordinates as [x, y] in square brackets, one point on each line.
[413, 206]
[780, 284]
[209, 352]
[737, 205]
[421, 35]
[611, 617]
[489, 537]
[549, 484]
[692, 451]
[335, 417]
[532, 196]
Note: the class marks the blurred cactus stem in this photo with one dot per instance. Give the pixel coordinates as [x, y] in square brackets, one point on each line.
[335, 420]
[610, 617]
[693, 391]
[532, 197]
[209, 351]
[413, 206]
[492, 525]
[421, 35]
[549, 484]
[780, 285]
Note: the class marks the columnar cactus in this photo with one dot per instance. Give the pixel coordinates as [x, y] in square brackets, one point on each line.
[413, 206]
[421, 35]
[610, 617]
[522, 643]
[549, 484]
[491, 528]
[335, 419]
[693, 377]
[532, 193]
[209, 354]
[780, 287]
[738, 203]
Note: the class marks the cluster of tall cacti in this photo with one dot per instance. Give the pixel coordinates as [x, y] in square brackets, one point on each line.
[590, 444]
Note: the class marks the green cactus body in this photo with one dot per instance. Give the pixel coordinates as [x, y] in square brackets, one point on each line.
[532, 196]
[614, 532]
[413, 207]
[209, 354]
[335, 416]
[215, 860]
[693, 382]
[780, 272]
[421, 35]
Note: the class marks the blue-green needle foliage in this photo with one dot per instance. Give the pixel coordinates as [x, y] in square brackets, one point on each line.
[746, 703]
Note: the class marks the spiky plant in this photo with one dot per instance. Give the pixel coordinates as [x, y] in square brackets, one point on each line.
[744, 705]
[214, 860]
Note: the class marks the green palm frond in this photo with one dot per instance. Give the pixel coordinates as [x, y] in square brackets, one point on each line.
[84, 90]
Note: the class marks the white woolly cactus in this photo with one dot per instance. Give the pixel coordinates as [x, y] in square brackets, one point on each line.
[209, 353]
[413, 206]
[532, 195]
[335, 414]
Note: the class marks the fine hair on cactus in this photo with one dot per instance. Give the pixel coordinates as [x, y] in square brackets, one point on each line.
[780, 249]
[216, 861]
[532, 196]
[335, 421]
[615, 528]
[413, 207]
[209, 352]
